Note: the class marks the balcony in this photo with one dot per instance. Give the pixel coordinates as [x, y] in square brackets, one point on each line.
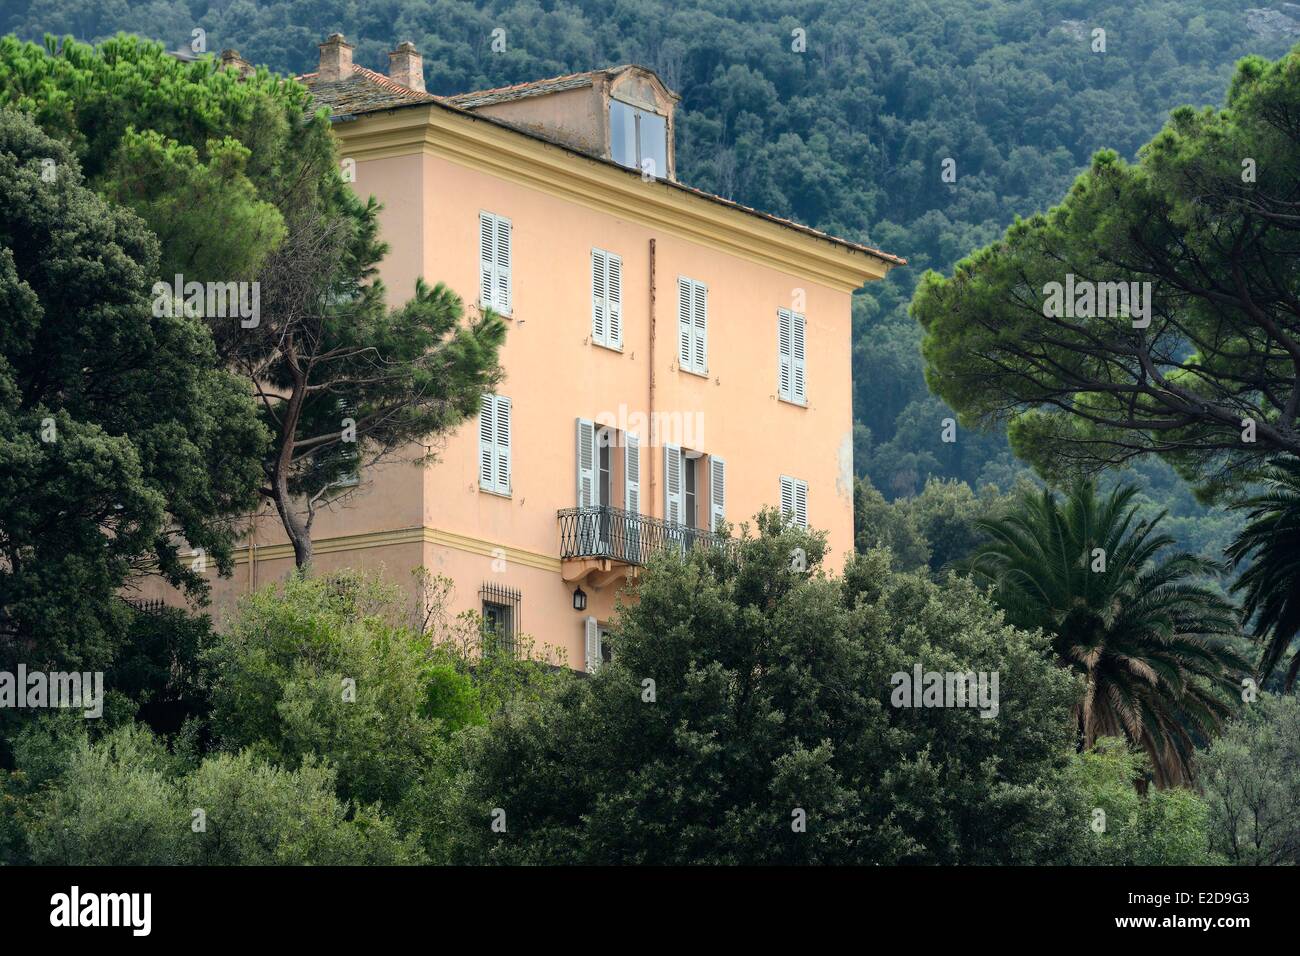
[605, 542]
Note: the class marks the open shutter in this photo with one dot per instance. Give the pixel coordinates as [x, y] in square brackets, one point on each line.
[717, 492]
[684, 332]
[503, 296]
[632, 473]
[599, 284]
[801, 503]
[700, 314]
[503, 445]
[486, 259]
[591, 643]
[784, 322]
[787, 498]
[487, 443]
[614, 297]
[586, 463]
[672, 484]
[797, 357]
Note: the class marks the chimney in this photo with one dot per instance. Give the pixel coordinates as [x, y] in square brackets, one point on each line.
[335, 59]
[230, 59]
[406, 67]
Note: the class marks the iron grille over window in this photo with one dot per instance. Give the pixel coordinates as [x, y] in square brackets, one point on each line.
[500, 619]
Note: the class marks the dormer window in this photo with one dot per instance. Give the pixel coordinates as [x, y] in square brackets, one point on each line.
[637, 135]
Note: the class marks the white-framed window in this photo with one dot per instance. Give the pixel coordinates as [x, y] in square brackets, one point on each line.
[494, 444]
[692, 326]
[638, 138]
[494, 262]
[606, 299]
[794, 500]
[790, 327]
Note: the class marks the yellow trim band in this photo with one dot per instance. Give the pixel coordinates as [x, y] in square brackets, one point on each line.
[415, 535]
[504, 153]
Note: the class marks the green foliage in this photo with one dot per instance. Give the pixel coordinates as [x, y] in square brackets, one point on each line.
[1124, 612]
[1198, 219]
[1270, 585]
[239, 180]
[847, 137]
[934, 530]
[878, 523]
[125, 801]
[771, 694]
[1251, 779]
[160, 669]
[118, 430]
[1158, 828]
[326, 667]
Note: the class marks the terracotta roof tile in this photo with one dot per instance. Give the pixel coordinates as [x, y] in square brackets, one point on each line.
[363, 91]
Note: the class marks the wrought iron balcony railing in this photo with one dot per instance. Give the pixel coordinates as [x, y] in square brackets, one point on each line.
[605, 532]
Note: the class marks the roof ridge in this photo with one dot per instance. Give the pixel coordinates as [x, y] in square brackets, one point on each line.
[374, 76]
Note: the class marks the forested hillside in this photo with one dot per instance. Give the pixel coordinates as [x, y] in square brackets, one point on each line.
[850, 136]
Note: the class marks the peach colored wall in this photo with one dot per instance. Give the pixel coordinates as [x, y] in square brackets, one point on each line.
[554, 375]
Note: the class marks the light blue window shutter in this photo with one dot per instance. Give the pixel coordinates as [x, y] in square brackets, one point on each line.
[586, 456]
[599, 297]
[787, 498]
[700, 316]
[797, 357]
[486, 259]
[591, 644]
[784, 322]
[503, 445]
[717, 492]
[801, 503]
[487, 443]
[504, 294]
[631, 473]
[685, 334]
[672, 484]
[614, 299]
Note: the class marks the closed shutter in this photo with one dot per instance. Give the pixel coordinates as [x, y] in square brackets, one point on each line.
[801, 503]
[487, 443]
[599, 297]
[586, 456]
[503, 294]
[700, 314]
[486, 259]
[783, 332]
[787, 498]
[672, 484]
[685, 330]
[797, 358]
[503, 445]
[591, 644]
[717, 492]
[614, 293]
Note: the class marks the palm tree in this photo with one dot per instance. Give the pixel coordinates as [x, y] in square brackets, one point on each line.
[1148, 640]
[1270, 544]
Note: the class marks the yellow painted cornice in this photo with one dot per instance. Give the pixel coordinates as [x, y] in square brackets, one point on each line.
[517, 157]
[399, 536]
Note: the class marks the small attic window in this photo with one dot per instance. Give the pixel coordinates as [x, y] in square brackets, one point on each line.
[636, 135]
